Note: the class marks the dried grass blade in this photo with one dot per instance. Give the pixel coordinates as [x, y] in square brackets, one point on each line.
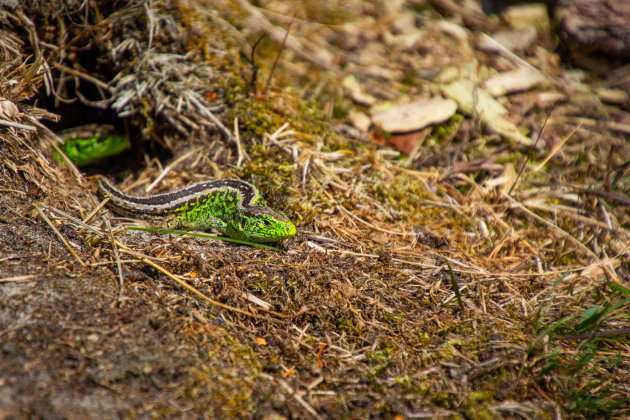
[63, 240]
[455, 287]
[189, 287]
[18, 279]
[121, 280]
[551, 225]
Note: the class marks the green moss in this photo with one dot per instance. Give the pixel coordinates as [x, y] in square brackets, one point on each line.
[340, 109]
[441, 132]
[476, 406]
[405, 195]
[378, 370]
[221, 381]
[256, 119]
[343, 323]
[261, 283]
[444, 399]
[409, 79]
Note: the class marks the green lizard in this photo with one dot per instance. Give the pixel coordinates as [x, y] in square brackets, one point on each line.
[233, 207]
[87, 144]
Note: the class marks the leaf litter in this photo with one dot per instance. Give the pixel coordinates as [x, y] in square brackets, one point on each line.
[483, 273]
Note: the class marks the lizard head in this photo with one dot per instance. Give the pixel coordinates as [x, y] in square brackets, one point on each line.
[261, 224]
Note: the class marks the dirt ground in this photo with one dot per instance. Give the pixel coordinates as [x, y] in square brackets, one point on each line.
[470, 261]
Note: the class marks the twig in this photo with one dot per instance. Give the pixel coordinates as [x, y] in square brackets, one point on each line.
[573, 214]
[252, 81]
[294, 394]
[556, 149]
[275, 60]
[490, 276]
[17, 125]
[121, 280]
[146, 260]
[192, 96]
[510, 54]
[239, 147]
[195, 291]
[85, 76]
[18, 279]
[458, 295]
[152, 22]
[47, 220]
[69, 163]
[357, 218]
[260, 23]
[96, 210]
[532, 147]
[597, 334]
[168, 168]
[551, 225]
[342, 209]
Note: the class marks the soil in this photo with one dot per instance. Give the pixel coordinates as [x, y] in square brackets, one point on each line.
[474, 268]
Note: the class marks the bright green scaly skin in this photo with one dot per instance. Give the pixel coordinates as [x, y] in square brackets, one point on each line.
[87, 144]
[230, 206]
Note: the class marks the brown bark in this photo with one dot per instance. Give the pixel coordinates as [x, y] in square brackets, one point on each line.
[596, 26]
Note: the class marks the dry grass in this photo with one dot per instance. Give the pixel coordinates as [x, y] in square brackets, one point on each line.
[477, 277]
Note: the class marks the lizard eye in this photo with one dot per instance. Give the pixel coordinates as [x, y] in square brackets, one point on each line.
[266, 222]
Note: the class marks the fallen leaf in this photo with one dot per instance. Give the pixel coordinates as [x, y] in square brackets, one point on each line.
[415, 115]
[513, 40]
[473, 99]
[359, 120]
[518, 80]
[353, 89]
[409, 142]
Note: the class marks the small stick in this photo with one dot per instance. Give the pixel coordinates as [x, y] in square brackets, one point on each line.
[47, 220]
[18, 279]
[546, 222]
[121, 280]
[192, 96]
[85, 76]
[455, 287]
[17, 125]
[556, 149]
[597, 334]
[239, 147]
[186, 285]
[146, 260]
[198, 293]
[295, 395]
[391, 232]
[510, 54]
[252, 81]
[96, 210]
[533, 147]
[168, 168]
[275, 60]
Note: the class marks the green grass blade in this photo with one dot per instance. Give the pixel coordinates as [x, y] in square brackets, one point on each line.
[203, 235]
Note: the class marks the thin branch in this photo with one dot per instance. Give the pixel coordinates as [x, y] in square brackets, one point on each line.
[63, 240]
[275, 60]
